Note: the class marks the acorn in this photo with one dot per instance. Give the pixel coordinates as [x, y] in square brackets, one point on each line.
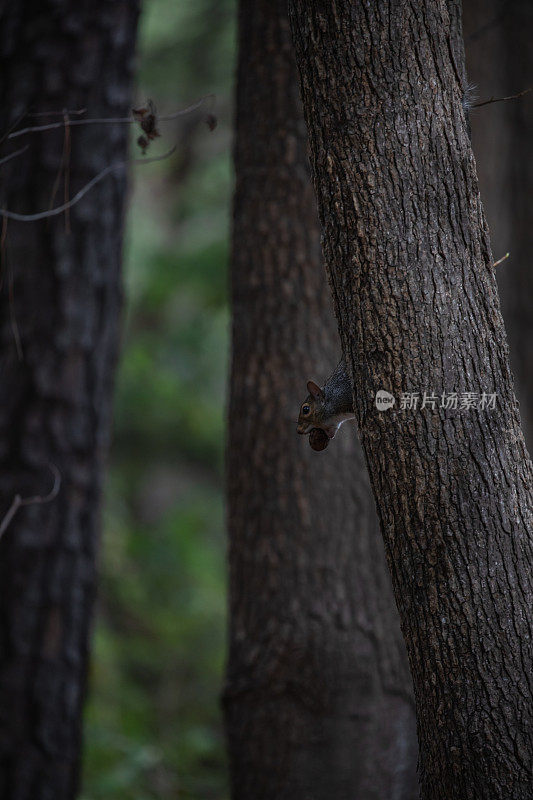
[318, 439]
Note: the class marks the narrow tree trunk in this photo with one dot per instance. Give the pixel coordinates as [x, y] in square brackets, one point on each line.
[411, 271]
[318, 698]
[60, 306]
[500, 63]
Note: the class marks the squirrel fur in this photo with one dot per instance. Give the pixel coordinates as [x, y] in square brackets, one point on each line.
[327, 407]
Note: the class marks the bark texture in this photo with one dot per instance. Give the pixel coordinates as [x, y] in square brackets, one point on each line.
[318, 697]
[499, 61]
[410, 264]
[60, 305]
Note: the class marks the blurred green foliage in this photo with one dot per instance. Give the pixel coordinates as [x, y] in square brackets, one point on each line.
[153, 722]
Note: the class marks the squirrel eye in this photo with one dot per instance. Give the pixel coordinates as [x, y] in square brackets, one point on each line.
[305, 410]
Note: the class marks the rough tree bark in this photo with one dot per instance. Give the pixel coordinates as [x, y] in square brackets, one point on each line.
[60, 305]
[499, 62]
[318, 696]
[410, 264]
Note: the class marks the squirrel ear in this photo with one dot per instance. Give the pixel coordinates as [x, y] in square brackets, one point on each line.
[315, 390]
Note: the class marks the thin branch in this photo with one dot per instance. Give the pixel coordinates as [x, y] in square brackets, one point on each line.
[53, 125]
[13, 155]
[76, 113]
[19, 502]
[12, 127]
[499, 261]
[52, 494]
[110, 120]
[83, 191]
[499, 99]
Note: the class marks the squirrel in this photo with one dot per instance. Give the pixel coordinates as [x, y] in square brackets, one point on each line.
[329, 407]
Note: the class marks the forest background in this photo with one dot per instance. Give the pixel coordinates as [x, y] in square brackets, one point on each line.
[159, 643]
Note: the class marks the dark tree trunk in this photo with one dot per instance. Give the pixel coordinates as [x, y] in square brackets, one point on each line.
[60, 306]
[499, 59]
[411, 270]
[318, 698]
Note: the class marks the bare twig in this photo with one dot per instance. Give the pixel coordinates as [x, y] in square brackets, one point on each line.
[499, 261]
[19, 502]
[109, 120]
[501, 99]
[12, 127]
[76, 113]
[83, 191]
[13, 155]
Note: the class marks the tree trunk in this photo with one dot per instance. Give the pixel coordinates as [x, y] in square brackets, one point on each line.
[500, 63]
[60, 303]
[410, 265]
[318, 697]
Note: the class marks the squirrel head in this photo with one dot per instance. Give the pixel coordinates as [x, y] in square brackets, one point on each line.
[312, 411]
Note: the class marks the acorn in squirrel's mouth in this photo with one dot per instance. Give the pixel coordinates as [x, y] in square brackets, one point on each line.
[318, 439]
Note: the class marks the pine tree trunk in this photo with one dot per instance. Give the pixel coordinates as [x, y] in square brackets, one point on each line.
[500, 63]
[411, 270]
[60, 307]
[318, 697]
